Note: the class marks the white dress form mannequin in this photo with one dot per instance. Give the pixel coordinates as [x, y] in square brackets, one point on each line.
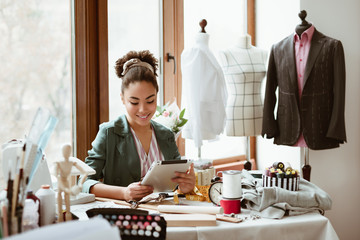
[204, 93]
[244, 68]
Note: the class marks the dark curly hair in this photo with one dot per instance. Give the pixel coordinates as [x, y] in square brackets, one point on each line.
[138, 73]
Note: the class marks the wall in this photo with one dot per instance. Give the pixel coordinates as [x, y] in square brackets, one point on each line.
[336, 170]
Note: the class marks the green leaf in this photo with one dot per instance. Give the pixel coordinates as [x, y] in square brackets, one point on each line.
[182, 113]
[182, 123]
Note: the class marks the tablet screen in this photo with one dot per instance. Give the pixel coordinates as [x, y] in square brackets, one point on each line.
[161, 172]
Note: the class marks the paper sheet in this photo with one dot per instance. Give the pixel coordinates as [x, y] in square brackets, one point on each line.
[94, 229]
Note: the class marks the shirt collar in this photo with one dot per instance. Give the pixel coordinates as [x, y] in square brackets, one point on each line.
[309, 32]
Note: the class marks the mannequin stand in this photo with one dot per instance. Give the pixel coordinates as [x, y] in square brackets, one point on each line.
[306, 169]
[248, 164]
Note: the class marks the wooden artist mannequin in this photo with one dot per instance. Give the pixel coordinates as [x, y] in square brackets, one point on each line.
[63, 172]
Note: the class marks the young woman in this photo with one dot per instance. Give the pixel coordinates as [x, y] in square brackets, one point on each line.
[124, 149]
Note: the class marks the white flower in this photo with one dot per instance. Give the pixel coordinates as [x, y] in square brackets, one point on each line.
[171, 117]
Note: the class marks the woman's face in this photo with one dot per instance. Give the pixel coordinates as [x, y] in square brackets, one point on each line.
[140, 101]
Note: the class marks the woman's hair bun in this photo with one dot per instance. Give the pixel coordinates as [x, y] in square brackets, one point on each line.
[144, 56]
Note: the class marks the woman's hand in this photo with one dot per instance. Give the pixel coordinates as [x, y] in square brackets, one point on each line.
[186, 180]
[136, 191]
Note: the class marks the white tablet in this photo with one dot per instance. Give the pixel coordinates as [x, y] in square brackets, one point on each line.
[161, 172]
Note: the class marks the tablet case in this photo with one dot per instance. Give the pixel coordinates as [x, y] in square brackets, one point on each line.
[161, 172]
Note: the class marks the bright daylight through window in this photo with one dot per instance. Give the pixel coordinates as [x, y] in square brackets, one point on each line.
[35, 69]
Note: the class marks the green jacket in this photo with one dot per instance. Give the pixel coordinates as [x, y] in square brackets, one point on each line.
[114, 156]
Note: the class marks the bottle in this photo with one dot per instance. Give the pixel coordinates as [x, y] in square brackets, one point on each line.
[47, 205]
[31, 195]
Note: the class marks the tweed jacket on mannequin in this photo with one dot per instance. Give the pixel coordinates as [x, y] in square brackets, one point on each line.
[320, 113]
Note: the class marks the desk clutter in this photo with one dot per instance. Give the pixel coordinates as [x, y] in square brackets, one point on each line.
[221, 196]
[29, 202]
[151, 219]
[24, 167]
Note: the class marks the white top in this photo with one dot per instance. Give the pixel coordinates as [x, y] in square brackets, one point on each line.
[146, 159]
[244, 69]
[204, 93]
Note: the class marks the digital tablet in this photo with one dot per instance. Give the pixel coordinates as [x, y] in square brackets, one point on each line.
[161, 172]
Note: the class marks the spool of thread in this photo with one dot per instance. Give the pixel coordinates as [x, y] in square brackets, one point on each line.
[231, 206]
[279, 165]
[231, 184]
[47, 205]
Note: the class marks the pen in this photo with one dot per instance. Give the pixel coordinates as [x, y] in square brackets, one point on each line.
[16, 208]
[18, 182]
[4, 216]
[14, 193]
[9, 198]
[22, 186]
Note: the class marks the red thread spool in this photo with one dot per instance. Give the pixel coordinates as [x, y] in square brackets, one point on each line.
[231, 206]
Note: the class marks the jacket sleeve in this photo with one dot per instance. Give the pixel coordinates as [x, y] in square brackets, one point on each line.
[96, 159]
[269, 126]
[336, 128]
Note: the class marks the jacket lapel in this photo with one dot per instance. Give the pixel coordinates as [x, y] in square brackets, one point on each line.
[290, 59]
[127, 148]
[316, 45]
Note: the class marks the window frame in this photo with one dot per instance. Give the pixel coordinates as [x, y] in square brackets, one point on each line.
[91, 68]
[91, 71]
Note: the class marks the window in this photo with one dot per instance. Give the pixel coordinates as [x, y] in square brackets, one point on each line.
[93, 61]
[223, 28]
[35, 69]
[128, 31]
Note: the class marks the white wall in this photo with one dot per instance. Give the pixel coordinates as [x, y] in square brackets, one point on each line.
[337, 170]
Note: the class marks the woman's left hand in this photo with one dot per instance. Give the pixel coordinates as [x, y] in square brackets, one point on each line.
[186, 180]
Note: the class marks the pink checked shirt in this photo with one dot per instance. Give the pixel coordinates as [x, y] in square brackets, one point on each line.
[302, 48]
[146, 159]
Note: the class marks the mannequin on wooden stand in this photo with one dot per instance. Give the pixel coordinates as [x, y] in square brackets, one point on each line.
[304, 151]
[204, 91]
[244, 68]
